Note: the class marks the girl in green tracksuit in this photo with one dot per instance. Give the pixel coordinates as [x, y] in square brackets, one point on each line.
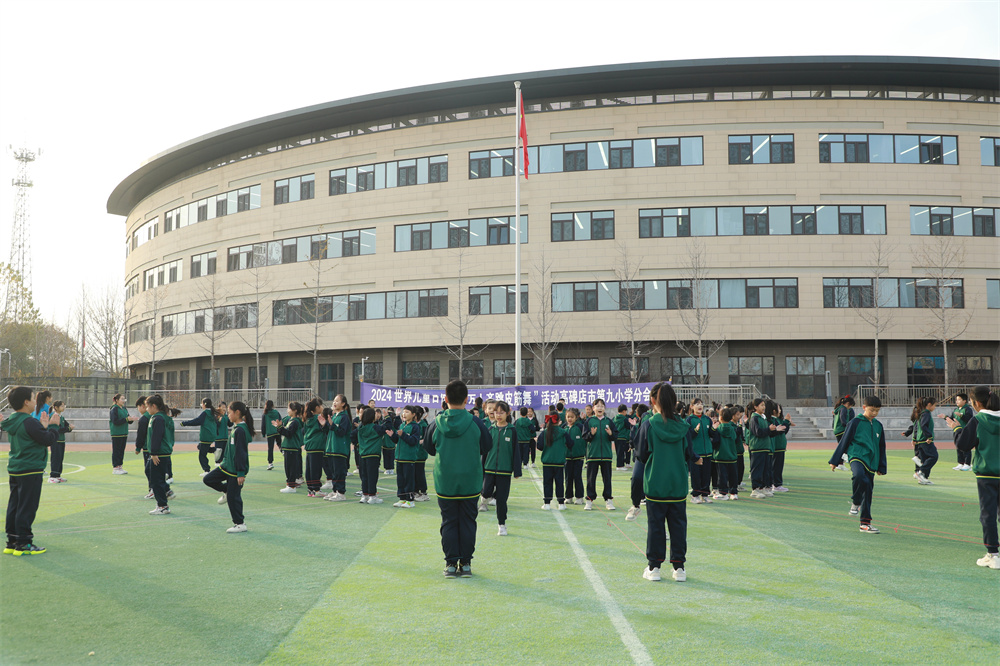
[502, 462]
[419, 467]
[599, 431]
[338, 447]
[407, 443]
[270, 431]
[701, 438]
[208, 429]
[553, 442]
[290, 428]
[368, 438]
[222, 435]
[574, 455]
[981, 435]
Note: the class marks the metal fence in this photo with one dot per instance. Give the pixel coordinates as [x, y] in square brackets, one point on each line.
[900, 395]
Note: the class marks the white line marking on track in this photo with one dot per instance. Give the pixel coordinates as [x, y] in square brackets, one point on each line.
[640, 655]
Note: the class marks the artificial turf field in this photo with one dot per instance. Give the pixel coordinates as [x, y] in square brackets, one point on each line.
[784, 580]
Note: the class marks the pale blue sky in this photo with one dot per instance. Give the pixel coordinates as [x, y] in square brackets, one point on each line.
[103, 86]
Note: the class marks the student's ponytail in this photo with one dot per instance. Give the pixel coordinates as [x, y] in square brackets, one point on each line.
[241, 409]
[986, 398]
[550, 433]
[41, 397]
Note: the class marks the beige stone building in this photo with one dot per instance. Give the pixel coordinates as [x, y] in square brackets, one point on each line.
[743, 199]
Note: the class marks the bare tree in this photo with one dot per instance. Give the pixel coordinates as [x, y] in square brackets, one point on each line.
[317, 309]
[259, 282]
[874, 310]
[214, 329]
[128, 311]
[459, 318]
[547, 327]
[942, 260]
[695, 311]
[105, 330]
[156, 343]
[630, 295]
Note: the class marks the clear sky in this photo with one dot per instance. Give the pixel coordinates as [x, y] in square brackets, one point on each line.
[102, 86]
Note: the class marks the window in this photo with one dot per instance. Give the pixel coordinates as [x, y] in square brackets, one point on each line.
[203, 264]
[805, 377]
[140, 331]
[762, 149]
[496, 300]
[599, 225]
[989, 151]
[255, 382]
[952, 221]
[761, 221]
[476, 232]
[621, 155]
[234, 379]
[472, 372]
[298, 377]
[756, 370]
[421, 373]
[993, 294]
[575, 370]
[490, 163]
[294, 189]
[584, 296]
[372, 375]
[683, 370]
[934, 293]
[331, 380]
[208, 379]
[171, 380]
[384, 175]
[776, 293]
[163, 274]
[184, 380]
[621, 370]
[853, 371]
[504, 375]
[353, 243]
[925, 369]
[888, 148]
[974, 369]
[893, 293]
[227, 203]
[132, 287]
[356, 307]
[145, 233]
[675, 294]
[225, 317]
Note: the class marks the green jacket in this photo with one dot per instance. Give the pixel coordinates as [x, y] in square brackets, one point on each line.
[315, 435]
[223, 429]
[292, 435]
[923, 427]
[554, 453]
[842, 415]
[621, 426]
[119, 430]
[701, 441]
[504, 457]
[338, 438]
[421, 451]
[663, 447]
[236, 458]
[728, 450]
[781, 438]
[758, 435]
[369, 440]
[981, 435]
[578, 446]
[408, 443]
[525, 429]
[208, 428]
[269, 429]
[166, 444]
[599, 443]
[863, 441]
[458, 441]
[28, 455]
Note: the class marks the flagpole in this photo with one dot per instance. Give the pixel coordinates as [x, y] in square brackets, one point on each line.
[517, 236]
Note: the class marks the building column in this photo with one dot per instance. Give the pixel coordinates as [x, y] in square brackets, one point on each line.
[895, 362]
[390, 367]
[718, 366]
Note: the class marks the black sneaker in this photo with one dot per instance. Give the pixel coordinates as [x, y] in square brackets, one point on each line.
[451, 571]
[465, 571]
[28, 549]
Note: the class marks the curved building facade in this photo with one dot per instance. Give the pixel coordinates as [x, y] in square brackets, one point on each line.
[762, 206]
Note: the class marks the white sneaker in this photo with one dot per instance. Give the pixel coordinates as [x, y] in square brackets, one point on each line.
[407, 505]
[991, 560]
[781, 489]
[756, 494]
[502, 531]
[119, 470]
[270, 466]
[300, 481]
[619, 469]
[917, 461]
[375, 499]
[916, 475]
[236, 529]
[150, 495]
[53, 479]
[421, 498]
[768, 492]
[958, 468]
[493, 501]
[171, 494]
[483, 506]
[387, 472]
[562, 507]
[358, 493]
[546, 507]
[589, 506]
[706, 499]
[288, 489]
[222, 500]
[363, 500]
[327, 486]
[696, 499]
[923, 480]
[733, 497]
[741, 487]
[680, 576]
[722, 498]
[651, 574]
[398, 504]
[170, 480]
[633, 513]
[841, 468]
[160, 511]
[965, 468]
[609, 505]
[854, 510]
[336, 497]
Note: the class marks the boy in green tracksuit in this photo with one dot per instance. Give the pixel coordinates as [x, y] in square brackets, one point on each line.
[621, 439]
[271, 431]
[30, 439]
[525, 433]
[458, 441]
[229, 476]
[864, 444]
[663, 444]
[725, 455]
[575, 456]
[982, 435]
[599, 431]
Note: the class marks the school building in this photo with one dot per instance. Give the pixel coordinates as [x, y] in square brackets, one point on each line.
[781, 211]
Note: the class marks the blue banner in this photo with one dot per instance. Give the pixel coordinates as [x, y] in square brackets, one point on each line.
[537, 397]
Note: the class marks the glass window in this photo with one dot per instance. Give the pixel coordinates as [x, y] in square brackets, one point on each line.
[421, 373]
[575, 371]
[907, 149]
[504, 375]
[989, 151]
[757, 370]
[880, 148]
[993, 294]
[805, 377]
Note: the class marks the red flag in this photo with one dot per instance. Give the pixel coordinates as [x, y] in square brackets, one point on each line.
[524, 139]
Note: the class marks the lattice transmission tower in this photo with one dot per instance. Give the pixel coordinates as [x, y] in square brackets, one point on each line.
[20, 244]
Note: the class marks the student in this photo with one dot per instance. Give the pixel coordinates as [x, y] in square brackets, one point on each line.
[487, 409]
[553, 442]
[982, 434]
[314, 441]
[664, 446]
[391, 422]
[291, 430]
[118, 420]
[638, 496]
[420, 466]
[599, 431]
[588, 411]
[621, 440]
[160, 447]
[525, 434]
[368, 439]
[142, 440]
[29, 441]
[561, 413]
[208, 428]
[222, 432]
[701, 441]
[338, 447]
[503, 460]
[864, 443]
[59, 448]
[780, 445]
[535, 429]
[270, 431]
[962, 414]
[356, 422]
[739, 422]
[458, 441]
[758, 438]
[574, 456]
[43, 404]
[770, 415]
[925, 452]
[407, 443]
[725, 456]
[229, 476]
[843, 414]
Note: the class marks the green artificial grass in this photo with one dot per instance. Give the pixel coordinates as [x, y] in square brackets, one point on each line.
[785, 580]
